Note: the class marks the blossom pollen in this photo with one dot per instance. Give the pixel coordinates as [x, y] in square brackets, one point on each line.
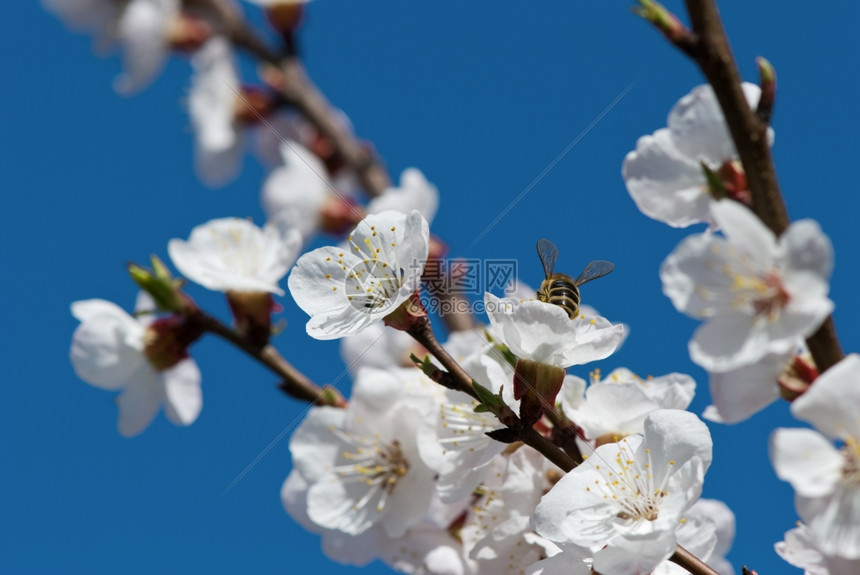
[377, 465]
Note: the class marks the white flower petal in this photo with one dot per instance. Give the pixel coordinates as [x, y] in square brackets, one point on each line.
[807, 460]
[414, 193]
[746, 232]
[212, 100]
[232, 254]
[739, 393]
[143, 33]
[666, 185]
[297, 189]
[107, 346]
[140, 401]
[833, 401]
[183, 397]
[808, 248]
[834, 520]
[728, 342]
[699, 127]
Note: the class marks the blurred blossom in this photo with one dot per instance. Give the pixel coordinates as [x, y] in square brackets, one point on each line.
[232, 254]
[664, 174]
[826, 479]
[212, 102]
[413, 193]
[113, 350]
[143, 33]
[616, 406]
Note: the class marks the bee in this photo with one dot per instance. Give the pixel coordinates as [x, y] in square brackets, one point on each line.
[561, 289]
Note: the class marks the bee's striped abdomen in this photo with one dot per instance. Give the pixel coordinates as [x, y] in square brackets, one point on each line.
[561, 291]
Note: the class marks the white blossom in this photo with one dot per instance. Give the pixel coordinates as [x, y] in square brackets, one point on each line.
[801, 549]
[378, 346]
[347, 289]
[628, 498]
[543, 332]
[664, 174]
[212, 102]
[457, 446]
[617, 405]
[497, 534]
[739, 393]
[108, 351]
[826, 479]
[361, 463]
[232, 254]
[757, 294]
[300, 193]
[414, 193]
[143, 33]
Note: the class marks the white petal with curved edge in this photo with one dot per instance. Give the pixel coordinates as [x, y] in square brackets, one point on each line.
[107, 347]
[807, 248]
[728, 342]
[833, 402]
[806, 459]
[746, 233]
[694, 279]
[742, 392]
[184, 399]
[414, 193]
[297, 189]
[140, 401]
[143, 33]
[232, 254]
[676, 436]
[834, 520]
[318, 279]
[665, 184]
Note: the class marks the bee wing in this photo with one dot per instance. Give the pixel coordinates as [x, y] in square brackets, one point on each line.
[594, 270]
[548, 254]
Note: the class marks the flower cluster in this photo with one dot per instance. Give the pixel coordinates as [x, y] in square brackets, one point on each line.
[487, 453]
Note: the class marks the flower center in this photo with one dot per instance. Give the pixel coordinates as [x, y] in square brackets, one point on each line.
[373, 283]
[851, 468]
[463, 429]
[377, 465]
[630, 488]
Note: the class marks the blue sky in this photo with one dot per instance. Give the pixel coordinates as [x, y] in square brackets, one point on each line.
[482, 97]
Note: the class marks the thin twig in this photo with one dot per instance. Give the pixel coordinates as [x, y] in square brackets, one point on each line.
[709, 48]
[294, 383]
[691, 563]
[423, 334]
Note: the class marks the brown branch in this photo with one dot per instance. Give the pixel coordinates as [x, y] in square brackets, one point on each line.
[690, 562]
[294, 383]
[748, 128]
[423, 334]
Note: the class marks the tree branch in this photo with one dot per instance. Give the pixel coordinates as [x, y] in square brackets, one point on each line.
[709, 49]
[294, 383]
[690, 562]
[423, 334]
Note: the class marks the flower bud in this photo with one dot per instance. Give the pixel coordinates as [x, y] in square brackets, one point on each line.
[252, 314]
[164, 289]
[407, 314]
[536, 385]
[166, 341]
[188, 33]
